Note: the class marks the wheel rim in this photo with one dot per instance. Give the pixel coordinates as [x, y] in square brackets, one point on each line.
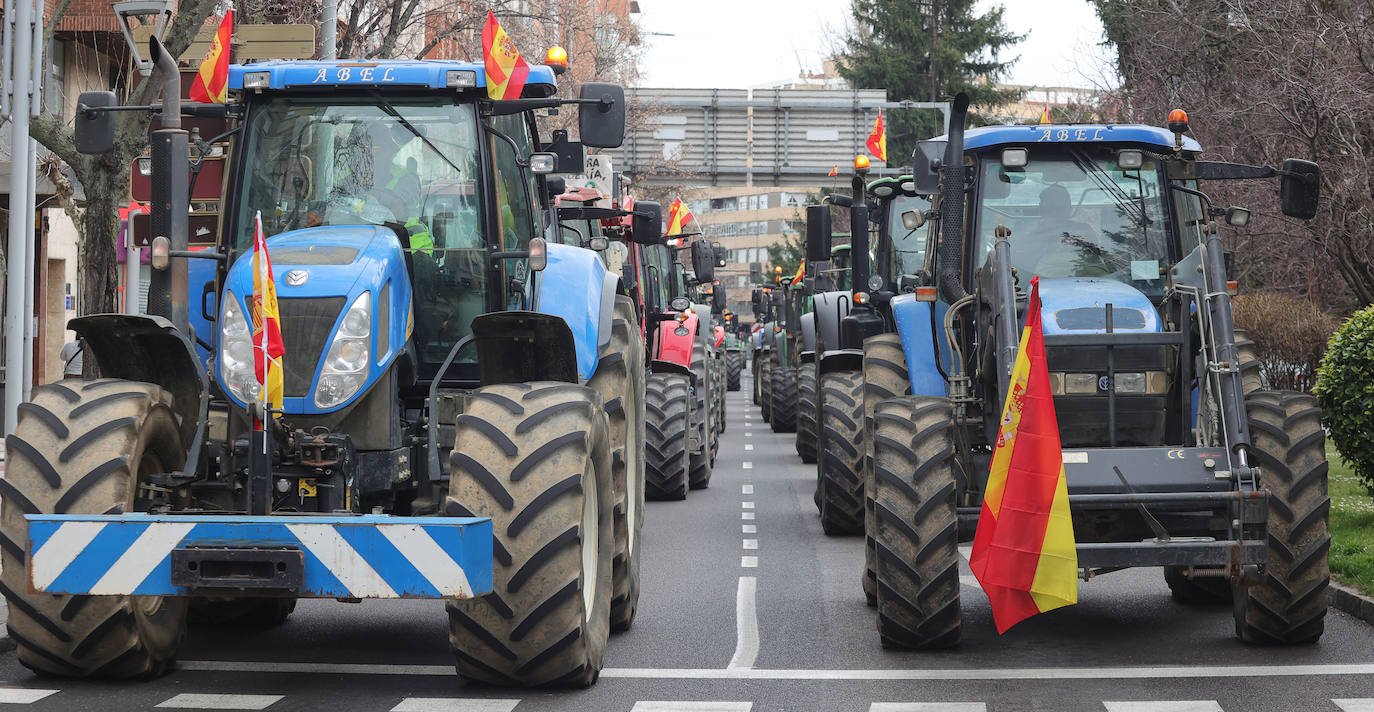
[590, 541]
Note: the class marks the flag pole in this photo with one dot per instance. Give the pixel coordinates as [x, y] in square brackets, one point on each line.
[260, 445]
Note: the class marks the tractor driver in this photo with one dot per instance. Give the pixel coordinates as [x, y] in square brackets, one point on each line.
[1057, 245]
[397, 186]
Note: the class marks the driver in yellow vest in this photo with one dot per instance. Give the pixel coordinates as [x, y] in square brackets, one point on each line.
[401, 191]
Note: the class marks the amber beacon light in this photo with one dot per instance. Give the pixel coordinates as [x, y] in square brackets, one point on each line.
[557, 59]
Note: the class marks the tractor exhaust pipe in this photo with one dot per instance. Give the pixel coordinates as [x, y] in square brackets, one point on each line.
[167, 288]
[952, 205]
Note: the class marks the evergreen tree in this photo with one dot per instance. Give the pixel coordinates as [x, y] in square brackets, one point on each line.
[925, 50]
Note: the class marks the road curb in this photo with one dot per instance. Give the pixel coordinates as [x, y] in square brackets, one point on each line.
[1351, 601]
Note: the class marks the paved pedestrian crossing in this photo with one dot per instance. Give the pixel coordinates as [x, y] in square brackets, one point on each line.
[225, 701]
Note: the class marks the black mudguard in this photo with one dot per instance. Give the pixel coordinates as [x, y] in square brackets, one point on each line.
[523, 346]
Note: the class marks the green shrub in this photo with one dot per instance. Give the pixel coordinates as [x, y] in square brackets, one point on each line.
[1290, 336]
[1345, 389]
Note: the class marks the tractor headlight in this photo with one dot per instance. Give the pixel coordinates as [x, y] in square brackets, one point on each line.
[236, 351]
[345, 365]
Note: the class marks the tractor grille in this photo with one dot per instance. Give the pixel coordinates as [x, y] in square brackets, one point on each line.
[305, 327]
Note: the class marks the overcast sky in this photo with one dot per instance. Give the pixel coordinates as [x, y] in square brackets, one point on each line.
[746, 43]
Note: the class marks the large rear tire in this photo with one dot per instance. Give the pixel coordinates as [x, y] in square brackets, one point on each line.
[619, 378]
[666, 415]
[806, 412]
[84, 448]
[885, 377]
[841, 483]
[765, 387]
[1288, 605]
[1247, 360]
[914, 530]
[536, 459]
[734, 364]
[784, 402]
[703, 418]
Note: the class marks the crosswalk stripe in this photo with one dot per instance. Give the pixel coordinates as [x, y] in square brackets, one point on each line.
[1163, 706]
[453, 704]
[22, 695]
[216, 701]
[691, 706]
[927, 707]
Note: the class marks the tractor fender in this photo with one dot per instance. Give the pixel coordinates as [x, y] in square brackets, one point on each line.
[523, 346]
[657, 366]
[139, 347]
[576, 286]
[675, 343]
[830, 308]
[842, 360]
[914, 327]
[807, 356]
[808, 331]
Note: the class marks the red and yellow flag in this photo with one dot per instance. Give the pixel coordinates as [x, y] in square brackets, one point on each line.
[211, 85]
[1045, 116]
[268, 347]
[506, 69]
[834, 171]
[877, 140]
[801, 272]
[1023, 552]
[678, 217]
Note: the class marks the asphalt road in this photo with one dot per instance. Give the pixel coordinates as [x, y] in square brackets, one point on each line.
[747, 605]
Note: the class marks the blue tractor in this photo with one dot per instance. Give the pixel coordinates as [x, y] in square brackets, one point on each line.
[459, 395]
[1175, 454]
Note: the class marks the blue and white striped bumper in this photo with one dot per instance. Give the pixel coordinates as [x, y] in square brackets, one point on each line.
[373, 556]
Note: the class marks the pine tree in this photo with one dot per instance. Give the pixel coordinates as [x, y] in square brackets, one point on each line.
[925, 50]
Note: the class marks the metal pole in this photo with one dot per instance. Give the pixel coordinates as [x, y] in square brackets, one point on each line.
[329, 27]
[132, 278]
[30, 257]
[20, 232]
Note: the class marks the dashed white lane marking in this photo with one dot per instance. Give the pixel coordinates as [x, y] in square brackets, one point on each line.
[746, 516]
[691, 706]
[748, 529]
[22, 695]
[927, 707]
[1362, 704]
[1147, 672]
[748, 446]
[746, 625]
[202, 701]
[749, 562]
[746, 489]
[751, 544]
[453, 704]
[748, 435]
[1164, 706]
[748, 505]
[748, 465]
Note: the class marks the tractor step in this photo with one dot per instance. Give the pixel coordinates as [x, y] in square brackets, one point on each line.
[372, 556]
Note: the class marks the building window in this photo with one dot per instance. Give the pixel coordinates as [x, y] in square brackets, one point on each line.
[55, 84]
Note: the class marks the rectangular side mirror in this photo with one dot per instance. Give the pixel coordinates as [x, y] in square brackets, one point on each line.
[756, 298]
[1300, 189]
[703, 261]
[925, 171]
[601, 124]
[817, 233]
[718, 299]
[646, 225]
[95, 130]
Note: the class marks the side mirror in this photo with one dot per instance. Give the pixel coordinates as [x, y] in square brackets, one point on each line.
[913, 219]
[720, 255]
[646, 225]
[95, 130]
[817, 233]
[555, 186]
[718, 299]
[601, 115]
[756, 299]
[1299, 188]
[925, 171]
[703, 261]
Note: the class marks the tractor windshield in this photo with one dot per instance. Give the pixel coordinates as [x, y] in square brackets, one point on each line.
[1073, 212]
[908, 246]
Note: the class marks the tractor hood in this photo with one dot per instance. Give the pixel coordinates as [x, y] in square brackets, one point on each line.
[1078, 305]
[320, 273]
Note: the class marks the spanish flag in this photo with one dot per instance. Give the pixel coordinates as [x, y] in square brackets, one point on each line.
[801, 272]
[1045, 116]
[1023, 552]
[877, 140]
[211, 85]
[506, 69]
[678, 217]
[268, 347]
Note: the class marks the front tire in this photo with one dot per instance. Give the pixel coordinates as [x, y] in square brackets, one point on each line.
[536, 459]
[1288, 606]
[765, 387]
[84, 448]
[885, 377]
[840, 483]
[784, 390]
[703, 418]
[734, 364]
[666, 415]
[806, 413]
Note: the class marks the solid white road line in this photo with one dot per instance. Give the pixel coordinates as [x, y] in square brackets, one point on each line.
[748, 529]
[691, 706]
[751, 543]
[927, 707]
[1362, 704]
[453, 704]
[746, 489]
[1163, 706]
[749, 562]
[22, 695]
[746, 515]
[1150, 672]
[746, 625]
[193, 701]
